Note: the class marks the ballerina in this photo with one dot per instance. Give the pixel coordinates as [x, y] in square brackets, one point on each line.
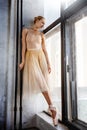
[35, 63]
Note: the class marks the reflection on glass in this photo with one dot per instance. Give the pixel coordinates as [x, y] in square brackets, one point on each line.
[81, 67]
[53, 44]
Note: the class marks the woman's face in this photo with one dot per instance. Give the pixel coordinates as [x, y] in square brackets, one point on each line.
[40, 23]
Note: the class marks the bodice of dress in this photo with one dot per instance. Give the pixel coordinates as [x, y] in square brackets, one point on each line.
[33, 40]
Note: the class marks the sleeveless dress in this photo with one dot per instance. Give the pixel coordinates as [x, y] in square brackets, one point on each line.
[35, 73]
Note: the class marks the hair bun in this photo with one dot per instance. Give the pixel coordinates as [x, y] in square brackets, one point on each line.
[38, 18]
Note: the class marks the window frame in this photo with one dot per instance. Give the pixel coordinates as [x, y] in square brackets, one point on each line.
[67, 13]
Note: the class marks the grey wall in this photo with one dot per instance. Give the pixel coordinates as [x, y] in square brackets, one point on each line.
[33, 8]
[7, 62]
[4, 32]
[51, 11]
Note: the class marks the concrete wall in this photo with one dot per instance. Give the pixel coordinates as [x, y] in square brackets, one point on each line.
[4, 41]
[31, 9]
[7, 62]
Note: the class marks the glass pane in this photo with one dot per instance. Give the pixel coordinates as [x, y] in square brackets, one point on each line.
[81, 67]
[53, 44]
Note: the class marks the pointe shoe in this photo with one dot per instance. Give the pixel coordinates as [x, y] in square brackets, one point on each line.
[53, 114]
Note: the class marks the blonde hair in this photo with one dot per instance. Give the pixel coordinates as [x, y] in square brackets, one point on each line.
[38, 18]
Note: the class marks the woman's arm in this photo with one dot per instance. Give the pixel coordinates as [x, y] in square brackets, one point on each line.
[24, 32]
[45, 52]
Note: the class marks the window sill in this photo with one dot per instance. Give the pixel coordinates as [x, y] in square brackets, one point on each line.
[44, 122]
[75, 125]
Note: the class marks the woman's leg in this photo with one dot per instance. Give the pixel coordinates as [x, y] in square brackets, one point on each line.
[51, 107]
[47, 97]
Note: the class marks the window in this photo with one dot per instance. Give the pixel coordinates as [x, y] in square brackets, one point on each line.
[53, 43]
[76, 50]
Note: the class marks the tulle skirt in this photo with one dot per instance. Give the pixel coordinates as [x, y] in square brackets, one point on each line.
[35, 73]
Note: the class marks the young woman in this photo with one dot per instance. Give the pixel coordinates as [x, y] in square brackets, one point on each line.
[35, 63]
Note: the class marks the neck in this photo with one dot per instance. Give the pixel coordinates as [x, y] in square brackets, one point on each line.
[35, 28]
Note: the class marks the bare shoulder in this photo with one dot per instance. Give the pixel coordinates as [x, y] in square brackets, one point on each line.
[27, 30]
[24, 30]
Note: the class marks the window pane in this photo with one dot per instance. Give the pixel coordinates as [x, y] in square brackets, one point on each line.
[81, 67]
[53, 44]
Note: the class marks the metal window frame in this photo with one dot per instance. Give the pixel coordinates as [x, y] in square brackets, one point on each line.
[18, 40]
[16, 73]
[69, 12]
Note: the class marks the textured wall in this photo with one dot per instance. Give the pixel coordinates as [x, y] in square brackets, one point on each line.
[4, 32]
[50, 10]
[32, 8]
[7, 62]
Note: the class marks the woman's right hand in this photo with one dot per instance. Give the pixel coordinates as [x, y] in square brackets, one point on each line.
[21, 65]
